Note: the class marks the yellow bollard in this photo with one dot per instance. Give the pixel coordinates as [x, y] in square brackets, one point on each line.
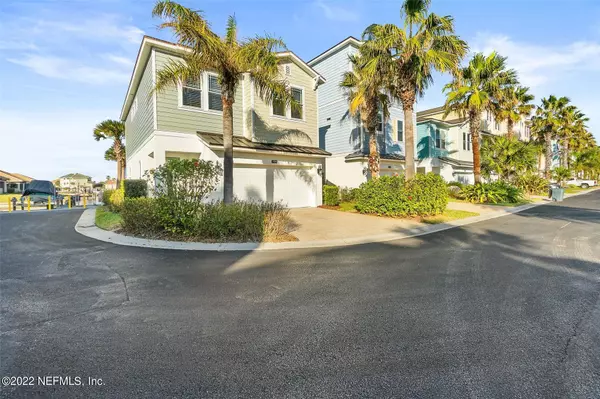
[9, 205]
[28, 203]
[84, 202]
[69, 201]
[49, 203]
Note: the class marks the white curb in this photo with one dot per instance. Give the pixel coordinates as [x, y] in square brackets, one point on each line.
[87, 227]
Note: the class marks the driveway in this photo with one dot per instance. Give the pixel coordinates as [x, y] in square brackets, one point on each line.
[508, 307]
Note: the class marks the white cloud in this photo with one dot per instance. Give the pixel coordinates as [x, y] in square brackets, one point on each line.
[117, 59]
[335, 12]
[69, 69]
[541, 64]
[16, 45]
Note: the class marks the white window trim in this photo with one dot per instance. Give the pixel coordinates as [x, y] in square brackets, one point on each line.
[204, 109]
[402, 122]
[288, 110]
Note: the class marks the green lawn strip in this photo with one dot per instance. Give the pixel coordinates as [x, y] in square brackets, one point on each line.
[106, 219]
[348, 207]
[508, 204]
[449, 215]
[574, 190]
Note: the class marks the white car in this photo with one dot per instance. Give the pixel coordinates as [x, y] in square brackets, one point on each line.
[582, 183]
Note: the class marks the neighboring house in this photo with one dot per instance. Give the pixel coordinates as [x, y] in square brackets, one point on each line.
[341, 134]
[13, 182]
[75, 183]
[444, 144]
[276, 153]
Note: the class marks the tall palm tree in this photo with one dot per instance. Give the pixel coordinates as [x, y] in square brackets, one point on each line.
[515, 103]
[545, 126]
[115, 131]
[230, 58]
[425, 43]
[366, 88]
[476, 88]
[573, 129]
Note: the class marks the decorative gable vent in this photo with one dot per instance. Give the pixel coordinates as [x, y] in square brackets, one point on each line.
[288, 70]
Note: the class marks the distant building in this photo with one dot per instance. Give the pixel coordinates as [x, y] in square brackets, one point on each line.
[13, 182]
[110, 184]
[74, 183]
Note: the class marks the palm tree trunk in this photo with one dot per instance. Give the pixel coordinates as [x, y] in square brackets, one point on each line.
[474, 122]
[509, 128]
[548, 154]
[228, 149]
[409, 140]
[373, 154]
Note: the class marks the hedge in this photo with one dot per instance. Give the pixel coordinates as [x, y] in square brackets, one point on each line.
[331, 195]
[425, 194]
[136, 188]
[113, 199]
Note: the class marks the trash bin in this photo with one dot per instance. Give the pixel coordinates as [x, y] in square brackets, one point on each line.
[558, 194]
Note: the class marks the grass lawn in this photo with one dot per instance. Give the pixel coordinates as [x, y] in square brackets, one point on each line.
[106, 219]
[510, 204]
[449, 215]
[575, 190]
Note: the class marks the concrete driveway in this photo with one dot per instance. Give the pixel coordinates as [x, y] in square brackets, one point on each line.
[509, 307]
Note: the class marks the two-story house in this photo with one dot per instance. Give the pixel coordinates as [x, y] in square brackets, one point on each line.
[341, 134]
[444, 144]
[276, 152]
[74, 183]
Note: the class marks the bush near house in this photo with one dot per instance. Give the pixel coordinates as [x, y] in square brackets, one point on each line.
[113, 199]
[494, 193]
[179, 211]
[394, 196]
[532, 184]
[331, 195]
[135, 188]
[348, 194]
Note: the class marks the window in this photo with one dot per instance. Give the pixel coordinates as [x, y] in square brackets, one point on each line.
[466, 141]
[278, 107]
[488, 116]
[191, 95]
[497, 126]
[214, 93]
[379, 123]
[298, 110]
[400, 131]
[440, 139]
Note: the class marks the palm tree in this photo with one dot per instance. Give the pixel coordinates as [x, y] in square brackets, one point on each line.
[366, 90]
[507, 157]
[115, 131]
[545, 125]
[476, 88]
[230, 58]
[425, 43]
[515, 103]
[572, 130]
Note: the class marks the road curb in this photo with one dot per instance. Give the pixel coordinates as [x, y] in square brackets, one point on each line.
[86, 226]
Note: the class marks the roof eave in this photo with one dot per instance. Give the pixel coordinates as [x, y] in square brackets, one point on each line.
[349, 40]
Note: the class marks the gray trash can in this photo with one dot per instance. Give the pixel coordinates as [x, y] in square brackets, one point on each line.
[558, 194]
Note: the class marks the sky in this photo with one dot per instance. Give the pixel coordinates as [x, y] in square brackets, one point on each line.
[65, 64]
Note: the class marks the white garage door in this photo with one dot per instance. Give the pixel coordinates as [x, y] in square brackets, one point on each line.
[295, 187]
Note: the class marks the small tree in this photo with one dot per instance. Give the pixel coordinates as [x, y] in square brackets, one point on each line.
[115, 131]
[561, 174]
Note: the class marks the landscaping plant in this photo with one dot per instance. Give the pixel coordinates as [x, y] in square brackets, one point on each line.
[135, 188]
[532, 184]
[493, 193]
[394, 196]
[331, 195]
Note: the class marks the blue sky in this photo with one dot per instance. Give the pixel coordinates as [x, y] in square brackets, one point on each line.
[65, 64]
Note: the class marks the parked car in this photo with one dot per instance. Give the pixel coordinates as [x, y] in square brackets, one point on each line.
[582, 183]
[39, 191]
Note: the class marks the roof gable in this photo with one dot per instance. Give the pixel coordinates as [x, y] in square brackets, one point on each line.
[349, 41]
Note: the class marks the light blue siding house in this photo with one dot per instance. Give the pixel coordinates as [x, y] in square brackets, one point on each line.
[341, 134]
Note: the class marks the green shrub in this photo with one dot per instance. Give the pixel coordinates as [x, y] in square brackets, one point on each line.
[331, 195]
[140, 216]
[348, 194]
[454, 189]
[113, 199]
[135, 188]
[532, 184]
[106, 194]
[423, 195]
[181, 186]
[494, 192]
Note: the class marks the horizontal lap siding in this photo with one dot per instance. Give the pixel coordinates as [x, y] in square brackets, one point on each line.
[173, 119]
[338, 135]
[139, 127]
[277, 130]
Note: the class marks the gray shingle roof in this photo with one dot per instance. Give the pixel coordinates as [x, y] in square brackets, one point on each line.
[213, 139]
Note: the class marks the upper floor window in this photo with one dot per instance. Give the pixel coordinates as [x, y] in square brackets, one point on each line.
[400, 131]
[278, 107]
[191, 93]
[214, 93]
[379, 123]
[488, 116]
[440, 139]
[466, 141]
[496, 125]
[297, 111]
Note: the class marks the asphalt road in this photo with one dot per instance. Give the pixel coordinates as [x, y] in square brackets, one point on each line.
[504, 308]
